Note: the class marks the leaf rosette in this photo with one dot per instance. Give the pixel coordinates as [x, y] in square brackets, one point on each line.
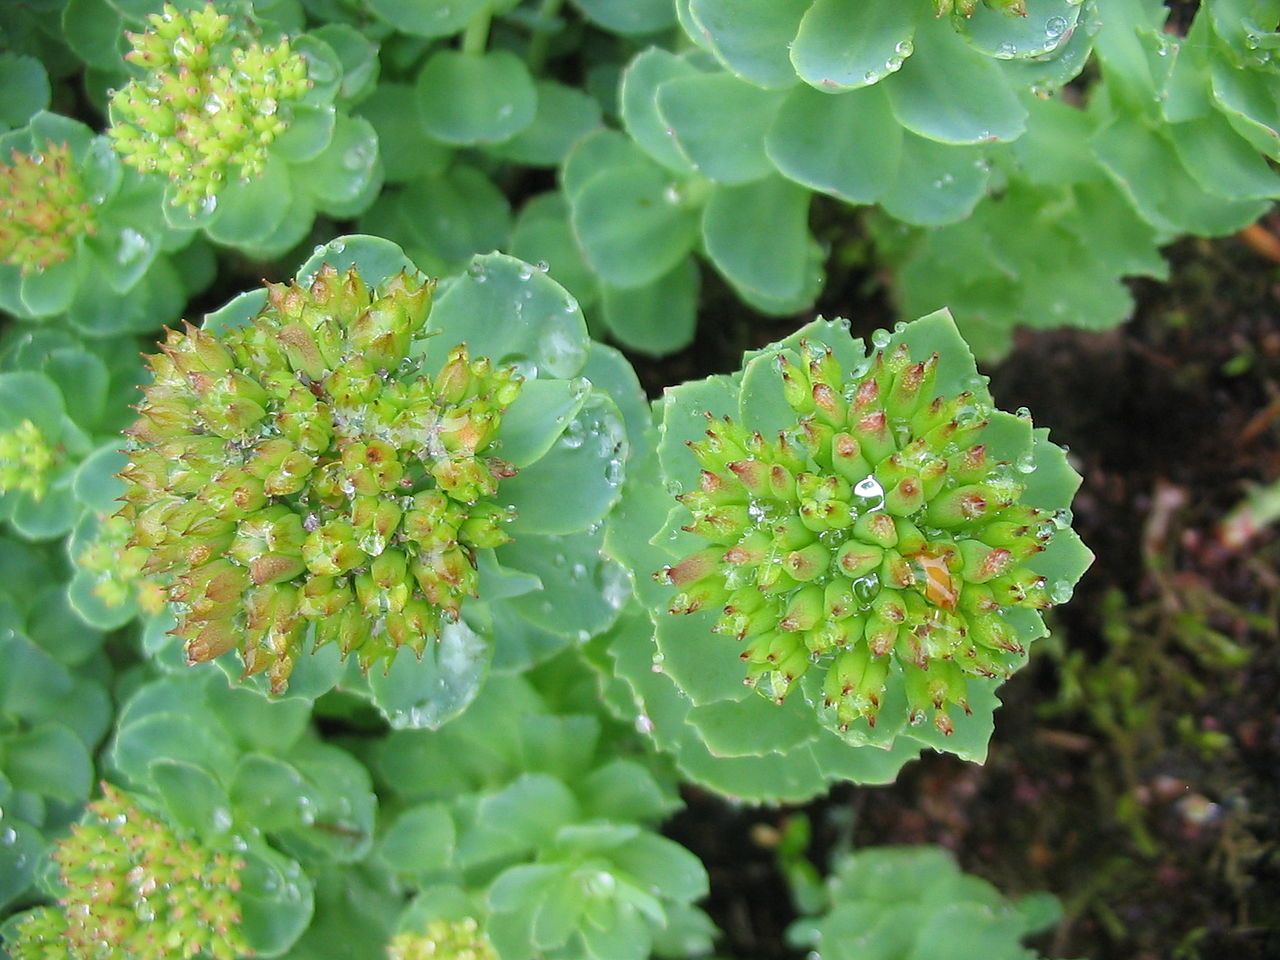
[881, 563]
[339, 460]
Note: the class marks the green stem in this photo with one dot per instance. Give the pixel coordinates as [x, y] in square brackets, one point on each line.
[476, 37]
[542, 34]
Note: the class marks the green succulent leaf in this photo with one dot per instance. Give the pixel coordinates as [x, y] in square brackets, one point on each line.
[513, 313]
[848, 146]
[471, 98]
[658, 318]
[847, 44]
[947, 93]
[753, 47]
[725, 145]
[425, 693]
[629, 16]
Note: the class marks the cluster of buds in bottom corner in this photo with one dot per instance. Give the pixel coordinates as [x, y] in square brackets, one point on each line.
[443, 940]
[304, 471]
[44, 208]
[877, 530]
[134, 888]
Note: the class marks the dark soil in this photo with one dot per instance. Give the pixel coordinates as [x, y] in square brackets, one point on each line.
[1135, 768]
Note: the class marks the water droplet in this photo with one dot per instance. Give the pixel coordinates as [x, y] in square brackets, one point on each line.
[1055, 27]
[208, 203]
[644, 724]
[615, 585]
[133, 247]
[337, 246]
[672, 195]
[1025, 463]
[575, 434]
[8, 837]
[268, 106]
[357, 157]
[944, 181]
[525, 272]
[880, 339]
[1006, 50]
[905, 48]
[865, 589]
[1022, 413]
[658, 659]
[1060, 592]
[542, 266]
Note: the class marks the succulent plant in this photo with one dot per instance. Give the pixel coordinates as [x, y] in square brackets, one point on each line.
[908, 903]
[208, 108]
[303, 470]
[248, 140]
[868, 534]
[132, 886]
[877, 529]
[550, 842]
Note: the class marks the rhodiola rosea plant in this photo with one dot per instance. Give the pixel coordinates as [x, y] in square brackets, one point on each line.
[377, 610]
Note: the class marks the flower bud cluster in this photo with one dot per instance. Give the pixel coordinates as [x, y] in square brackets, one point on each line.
[1011, 8]
[876, 530]
[443, 940]
[207, 109]
[44, 208]
[117, 567]
[303, 470]
[134, 888]
[26, 460]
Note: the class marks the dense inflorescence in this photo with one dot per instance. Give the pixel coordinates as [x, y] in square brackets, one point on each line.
[207, 108]
[44, 208]
[303, 469]
[443, 940]
[878, 529]
[134, 888]
[25, 460]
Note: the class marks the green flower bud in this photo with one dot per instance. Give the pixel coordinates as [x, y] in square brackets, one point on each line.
[281, 480]
[133, 887]
[44, 208]
[876, 530]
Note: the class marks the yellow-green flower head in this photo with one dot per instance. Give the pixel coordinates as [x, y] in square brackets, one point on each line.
[209, 105]
[134, 888]
[26, 460]
[443, 940]
[876, 529]
[117, 567]
[44, 209]
[303, 469]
